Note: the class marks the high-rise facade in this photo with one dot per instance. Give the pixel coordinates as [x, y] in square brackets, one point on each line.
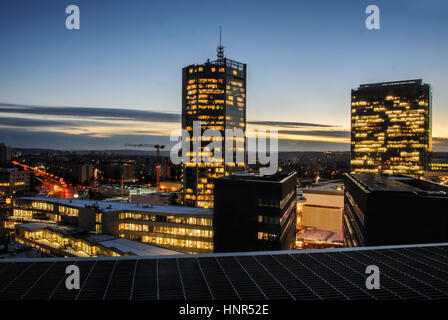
[213, 93]
[391, 128]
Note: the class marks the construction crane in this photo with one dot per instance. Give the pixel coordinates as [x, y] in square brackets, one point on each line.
[158, 147]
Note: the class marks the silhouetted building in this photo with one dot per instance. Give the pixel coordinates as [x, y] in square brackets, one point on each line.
[83, 173]
[254, 212]
[5, 155]
[381, 210]
[215, 94]
[391, 128]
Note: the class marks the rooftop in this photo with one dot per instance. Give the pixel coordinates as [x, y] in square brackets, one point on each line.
[324, 236]
[378, 183]
[136, 248]
[111, 206]
[251, 176]
[391, 83]
[109, 241]
[327, 187]
[63, 229]
[407, 272]
[226, 61]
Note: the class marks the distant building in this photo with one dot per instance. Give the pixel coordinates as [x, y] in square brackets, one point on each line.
[439, 165]
[83, 173]
[159, 198]
[127, 173]
[381, 210]
[253, 213]
[5, 155]
[13, 181]
[215, 94]
[391, 128]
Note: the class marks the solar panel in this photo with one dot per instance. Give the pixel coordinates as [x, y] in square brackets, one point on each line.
[406, 272]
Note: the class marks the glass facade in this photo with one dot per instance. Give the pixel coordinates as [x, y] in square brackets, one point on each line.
[215, 94]
[391, 128]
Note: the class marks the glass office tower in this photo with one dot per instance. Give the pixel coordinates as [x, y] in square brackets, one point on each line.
[215, 94]
[391, 128]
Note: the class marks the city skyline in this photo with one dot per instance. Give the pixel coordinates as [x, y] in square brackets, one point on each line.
[132, 93]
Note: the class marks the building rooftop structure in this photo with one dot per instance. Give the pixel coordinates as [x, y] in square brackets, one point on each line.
[404, 184]
[121, 245]
[322, 236]
[135, 247]
[252, 176]
[112, 206]
[391, 83]
[407, 272]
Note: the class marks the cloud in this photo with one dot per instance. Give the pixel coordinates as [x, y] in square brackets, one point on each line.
[288, 124]
[18, 138]
[26, 122]
[79, 128]
[94, 113]
[318, 133]
[303, 145]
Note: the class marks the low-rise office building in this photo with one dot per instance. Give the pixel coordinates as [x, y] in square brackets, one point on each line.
[183, 229]
[67, 241]
[388, 210]
[255, 212]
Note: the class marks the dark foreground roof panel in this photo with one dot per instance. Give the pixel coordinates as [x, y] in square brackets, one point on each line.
[406, 272]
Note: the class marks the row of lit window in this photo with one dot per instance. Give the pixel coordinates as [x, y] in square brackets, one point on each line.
[42, 206]
[269, 220]
[267, 236]
[178, 243]
[168, 219]
[68, 211]
[201, 69]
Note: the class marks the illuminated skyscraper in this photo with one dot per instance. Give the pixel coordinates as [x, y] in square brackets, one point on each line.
[391, 128]
[215, 94]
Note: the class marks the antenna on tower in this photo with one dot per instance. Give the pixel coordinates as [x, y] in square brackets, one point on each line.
[220, 50]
